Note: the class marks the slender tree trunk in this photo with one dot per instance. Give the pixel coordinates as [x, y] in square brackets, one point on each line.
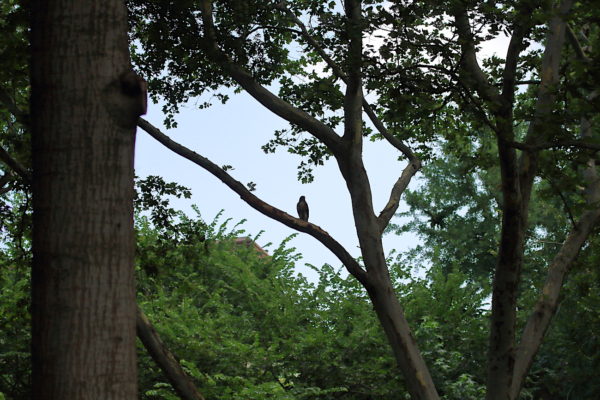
[406, 352]
[84, 106]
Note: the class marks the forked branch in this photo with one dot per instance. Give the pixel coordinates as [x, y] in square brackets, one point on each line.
[545, 308]
[337, 71]
[414, 163]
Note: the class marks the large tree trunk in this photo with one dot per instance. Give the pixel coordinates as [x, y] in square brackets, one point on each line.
[84, 106]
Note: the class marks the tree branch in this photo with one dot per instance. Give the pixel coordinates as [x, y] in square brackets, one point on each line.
[546, 97]
[414, 163]
[14, 165]
[478, 79]
[4, 180]
[524, 23]
[272, 102]
[12, 107]
[561, 143]
[517, 176]
[181, 382]
[272, 212]
[22, 118]
[577, 45]
[392, 205]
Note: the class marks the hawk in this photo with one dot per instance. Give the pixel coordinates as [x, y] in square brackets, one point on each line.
[302, 208]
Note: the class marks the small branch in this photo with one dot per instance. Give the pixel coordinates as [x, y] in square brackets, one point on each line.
[181, 382]
[337, 71]
[576, 45]
[549, 72]
[12, 107]
[546, 97]
[393, 140]
[479, 108]
[272, 212]
[4, 181]
[564, 201]
[561, 143]
[14, 165]
[524, 82]
[22, 118]
[272, 102]
[392, 205]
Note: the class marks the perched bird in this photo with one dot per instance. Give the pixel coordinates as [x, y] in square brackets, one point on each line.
[302, 208]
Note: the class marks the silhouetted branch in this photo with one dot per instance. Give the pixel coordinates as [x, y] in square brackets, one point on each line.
[253, 201]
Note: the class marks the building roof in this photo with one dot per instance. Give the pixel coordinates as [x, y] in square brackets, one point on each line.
[246, 241]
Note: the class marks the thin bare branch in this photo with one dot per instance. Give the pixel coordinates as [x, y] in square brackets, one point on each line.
[253, 201]
[272, 102]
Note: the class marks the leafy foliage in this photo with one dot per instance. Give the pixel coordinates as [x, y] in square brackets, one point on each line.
[455, 211]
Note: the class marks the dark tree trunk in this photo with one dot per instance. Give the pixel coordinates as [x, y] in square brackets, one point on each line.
[84, 106]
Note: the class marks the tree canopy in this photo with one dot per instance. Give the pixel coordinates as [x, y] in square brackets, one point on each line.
[507, 203]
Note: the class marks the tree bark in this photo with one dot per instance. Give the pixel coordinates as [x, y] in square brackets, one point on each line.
[84, 106]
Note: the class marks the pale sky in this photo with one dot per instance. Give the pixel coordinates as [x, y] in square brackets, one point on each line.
[233, 134]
